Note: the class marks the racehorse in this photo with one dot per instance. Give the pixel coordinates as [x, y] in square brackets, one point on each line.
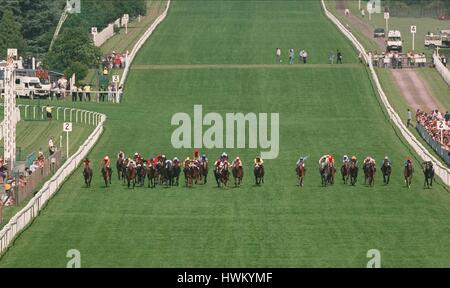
[141, 172]
[238, 174]
[428, 172]
[386, 170]
[152, 176]
[176, 174]
[168, 173]
[123, 170]
[203, 171]
[370, 173]
[119, 164]
[195, 173]
[188, 175]
[131, 176]
[326, 173]
[87, 173]
[106, 172]
[224, 174]
[258, 171]
[408, 171]
[345, 172]
[353, 173]
[300, 170]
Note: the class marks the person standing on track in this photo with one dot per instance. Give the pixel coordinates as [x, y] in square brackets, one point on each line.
[409, 118]
[339, 57]
[278, 55]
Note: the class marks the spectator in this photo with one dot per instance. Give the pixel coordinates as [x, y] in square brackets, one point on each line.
[74, 93]
[291, 56]
[34, 166]
[80, 93]
[339, 57]
[409, 118]
[447, 116]
[22, 181]
[51, 146]
[305, 56]
[331, 57]
[278, 55]
[27, 171]
[48, 109]
[87, 90]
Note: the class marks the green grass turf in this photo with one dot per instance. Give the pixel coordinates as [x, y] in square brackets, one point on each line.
[276, 225]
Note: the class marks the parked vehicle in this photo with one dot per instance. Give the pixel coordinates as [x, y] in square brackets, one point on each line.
[29, 87]
[394, 41]
[379, 33]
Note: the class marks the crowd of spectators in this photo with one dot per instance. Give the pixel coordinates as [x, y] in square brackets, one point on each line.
[429, 122]
[396, 60]
[114, 60]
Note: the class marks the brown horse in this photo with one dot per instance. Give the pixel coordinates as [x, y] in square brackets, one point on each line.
[300, 170]
[106, 172]
[195, 170]
[152, 176]
[428, 172]
[131, 176]
[87, 173]
[238, 174]
[370, 170]
[386, 170]
[408, 172]
[188, 171]
[224, 174]
[353, 173]
[203, 173]
[345, 172]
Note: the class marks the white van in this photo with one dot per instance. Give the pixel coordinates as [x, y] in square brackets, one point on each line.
[29, 87]
[394, 41]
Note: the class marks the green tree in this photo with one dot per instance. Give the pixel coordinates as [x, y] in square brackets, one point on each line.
[79, 69]
[74, 44]
[10, 34]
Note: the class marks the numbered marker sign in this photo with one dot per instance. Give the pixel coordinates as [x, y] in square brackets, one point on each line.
[116, 78]
[126, 17]
[386, 15]
[413, 29]
[93, 30]
[441, 125]
[67, 126]
[12, 52]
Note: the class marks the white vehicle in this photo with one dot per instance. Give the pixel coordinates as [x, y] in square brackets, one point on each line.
[394, 41]
[29, 87]
[432, 40]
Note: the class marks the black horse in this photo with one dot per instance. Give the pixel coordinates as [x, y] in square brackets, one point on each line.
[119, 164]
[386, 170]
[258, 170]
[428, 172]
[353, 173]
[152, 175]
[87, 173]
[168, 173]
[345, 172]
[141, 172]
[176, 174]
[325, 174]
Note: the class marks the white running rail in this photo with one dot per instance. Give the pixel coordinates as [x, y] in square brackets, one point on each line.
[445, 73]
[141, 42]
[19, 221]
[1, 123]
[440, 170]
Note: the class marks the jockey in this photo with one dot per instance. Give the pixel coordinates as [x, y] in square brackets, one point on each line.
[187, 162]
[354, 159]
[301, 162]
[330, 160]
[150, 162]
[323, 159]
[408, 161]
[196, 154]
[86, 163]
[258, 161]
[131, 163]
[106, 162]
[168, 161]
[121, 155]
[387, 161]
[163, 158]
[217, 163]
[345, 159]
[224, 157]
[137, 157]
[204, 158]
[176, 162]
[237, 162]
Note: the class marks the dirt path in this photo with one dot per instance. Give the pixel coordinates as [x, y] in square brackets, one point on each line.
[413, 88]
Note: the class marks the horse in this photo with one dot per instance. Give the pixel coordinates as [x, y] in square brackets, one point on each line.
[428, 172]
[123, 170]
[152, 175]
[195, 173]
[324, 171]
[300, 170]
[188, 176]
[106, 172]
[119, 164]
[345, 172]
[353, 173]
[87, 173]
[140, 172]
[176, 174]
[408, 171]
[370, 172]
[168, 173]
[386, 170]
[131, 176]
[203, 173]
[217, 174]
[258, 171]
[238, 174]
[224, 174]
